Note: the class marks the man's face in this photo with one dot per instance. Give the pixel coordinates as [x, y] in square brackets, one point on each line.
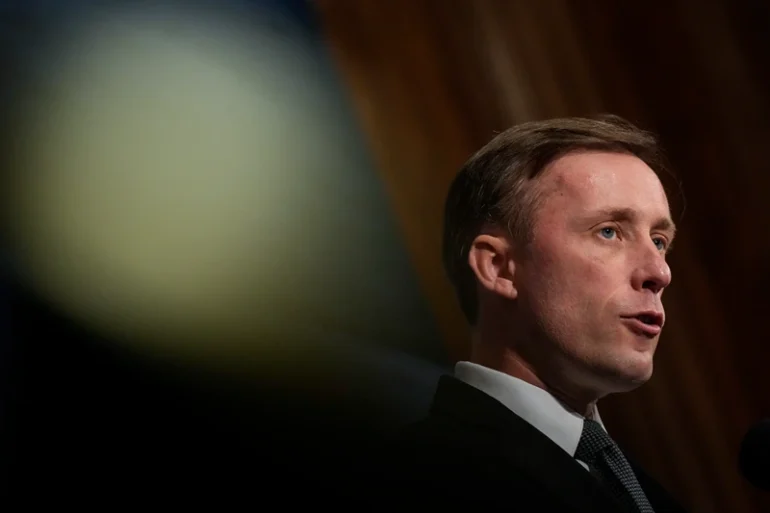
[590, 284]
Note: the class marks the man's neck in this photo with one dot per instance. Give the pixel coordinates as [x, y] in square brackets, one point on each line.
[508, 361]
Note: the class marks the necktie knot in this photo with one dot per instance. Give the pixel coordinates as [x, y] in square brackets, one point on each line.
[603, 456]
[593, 441]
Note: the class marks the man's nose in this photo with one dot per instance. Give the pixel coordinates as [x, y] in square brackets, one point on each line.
[652, 272]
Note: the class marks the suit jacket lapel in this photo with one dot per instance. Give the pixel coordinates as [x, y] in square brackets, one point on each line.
[527, 450]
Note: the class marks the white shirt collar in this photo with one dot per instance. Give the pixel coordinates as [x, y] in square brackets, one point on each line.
[533, 404]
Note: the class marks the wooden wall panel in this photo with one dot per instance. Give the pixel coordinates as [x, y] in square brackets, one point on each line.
[433, 81]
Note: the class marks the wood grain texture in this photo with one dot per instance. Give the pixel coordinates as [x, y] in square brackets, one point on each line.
[433, 81]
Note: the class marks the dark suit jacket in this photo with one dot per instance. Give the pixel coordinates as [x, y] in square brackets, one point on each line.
[473, 452]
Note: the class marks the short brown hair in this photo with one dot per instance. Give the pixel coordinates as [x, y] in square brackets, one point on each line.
[494, 187]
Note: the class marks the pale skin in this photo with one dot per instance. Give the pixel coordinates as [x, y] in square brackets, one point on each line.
[562, 312]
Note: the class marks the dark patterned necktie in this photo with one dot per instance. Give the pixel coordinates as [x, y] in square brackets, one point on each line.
[607, 463]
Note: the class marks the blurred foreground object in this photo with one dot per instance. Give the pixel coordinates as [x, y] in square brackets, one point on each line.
[186, 179]
[188, 183]
[754, 455]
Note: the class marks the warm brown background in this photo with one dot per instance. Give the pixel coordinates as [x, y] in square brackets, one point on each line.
[433, 80]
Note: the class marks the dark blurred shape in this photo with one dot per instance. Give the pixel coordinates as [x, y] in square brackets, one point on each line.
[754, 456]
[87, 419]
[308, 359]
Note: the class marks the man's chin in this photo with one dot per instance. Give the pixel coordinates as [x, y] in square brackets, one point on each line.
[628, 381]
[618, 380]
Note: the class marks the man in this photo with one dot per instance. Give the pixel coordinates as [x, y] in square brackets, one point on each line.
[555, 238]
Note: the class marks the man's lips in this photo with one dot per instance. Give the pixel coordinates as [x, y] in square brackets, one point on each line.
[642, 328]
[649, 322]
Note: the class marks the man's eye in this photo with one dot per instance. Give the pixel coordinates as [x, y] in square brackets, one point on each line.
[608, 233]
[660, 243]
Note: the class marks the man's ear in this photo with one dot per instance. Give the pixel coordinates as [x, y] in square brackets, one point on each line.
[491, 259]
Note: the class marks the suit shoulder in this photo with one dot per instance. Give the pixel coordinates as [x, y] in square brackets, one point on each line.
[438, 440]
[429, 431]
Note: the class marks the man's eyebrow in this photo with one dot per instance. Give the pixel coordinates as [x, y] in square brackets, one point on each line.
[665, 224]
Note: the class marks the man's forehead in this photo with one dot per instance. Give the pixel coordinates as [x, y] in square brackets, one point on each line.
[603, 181]
[591, 173]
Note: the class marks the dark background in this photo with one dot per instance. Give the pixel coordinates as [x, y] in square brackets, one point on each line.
[429, 83]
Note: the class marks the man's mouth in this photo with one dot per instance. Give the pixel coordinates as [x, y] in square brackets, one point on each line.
[648, 323]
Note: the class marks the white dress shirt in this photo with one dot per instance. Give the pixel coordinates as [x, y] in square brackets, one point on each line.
[533, 404]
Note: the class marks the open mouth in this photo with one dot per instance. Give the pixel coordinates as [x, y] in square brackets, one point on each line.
[648, 319]
[645, 323]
